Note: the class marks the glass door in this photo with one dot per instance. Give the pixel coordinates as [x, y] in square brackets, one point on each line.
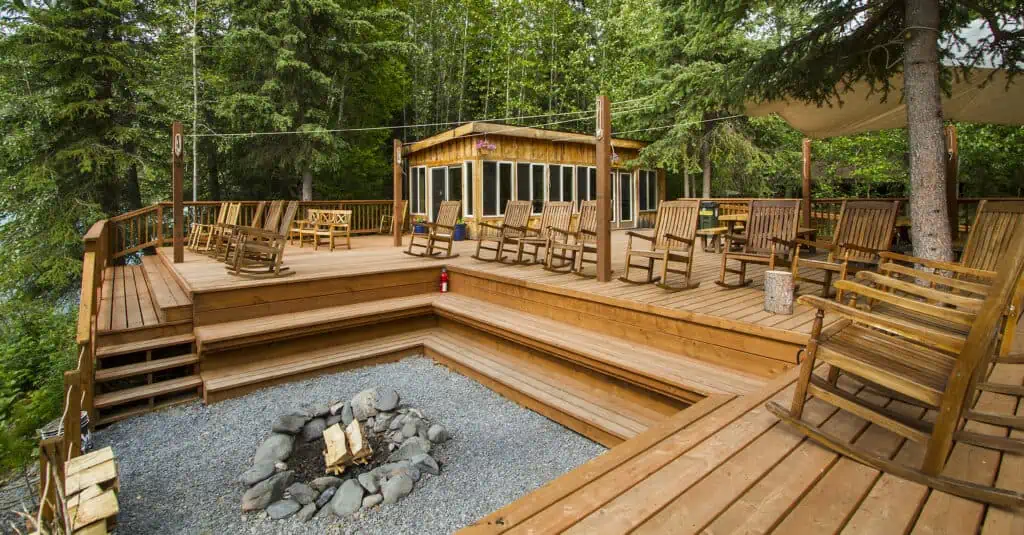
[438, 189]
[623, 202]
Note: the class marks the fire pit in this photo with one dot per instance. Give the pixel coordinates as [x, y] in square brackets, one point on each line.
[342, 457]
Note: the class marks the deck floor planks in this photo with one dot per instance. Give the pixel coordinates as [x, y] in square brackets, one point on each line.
[125, 300]
[149, 315]
[133, 309]
[119, 307]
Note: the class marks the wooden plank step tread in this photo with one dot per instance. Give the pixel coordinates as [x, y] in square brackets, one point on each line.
[144, 345]
[306, 361]
[111, 399]
[676, 369]
[256, 330]
[110, 418]
[142, 368]
[530, 381]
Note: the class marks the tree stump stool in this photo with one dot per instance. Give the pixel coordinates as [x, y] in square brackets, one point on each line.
[778, 292]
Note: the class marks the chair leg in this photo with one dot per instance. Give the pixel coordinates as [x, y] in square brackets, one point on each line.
[827, 284]
[807, 367]
[843, 271]
[650, 270]
[725, 258]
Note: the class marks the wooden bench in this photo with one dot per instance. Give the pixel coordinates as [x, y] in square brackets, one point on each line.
[674, 375]
[711, 238]
[236, 334]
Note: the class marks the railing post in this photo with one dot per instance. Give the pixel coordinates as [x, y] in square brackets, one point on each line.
[159, 225]
[73, 417]
[396, 192]
[50, 460]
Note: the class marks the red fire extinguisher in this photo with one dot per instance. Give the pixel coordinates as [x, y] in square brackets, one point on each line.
[444, 280]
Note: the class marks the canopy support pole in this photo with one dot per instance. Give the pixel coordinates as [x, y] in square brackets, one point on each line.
[806, 207]
[177, 177]
[952, 191]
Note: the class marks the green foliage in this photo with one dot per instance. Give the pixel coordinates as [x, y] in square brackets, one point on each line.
[37, 343]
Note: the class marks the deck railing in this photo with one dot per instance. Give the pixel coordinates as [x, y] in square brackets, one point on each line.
[153, 225]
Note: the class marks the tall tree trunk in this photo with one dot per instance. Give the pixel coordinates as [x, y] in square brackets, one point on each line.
[930, 231]
[307, 184]
[133, 192]
[705, 161]
[213, 172]
[686, 174]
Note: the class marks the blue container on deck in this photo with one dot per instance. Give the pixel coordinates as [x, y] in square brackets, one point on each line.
[419, 229]
[460, 232]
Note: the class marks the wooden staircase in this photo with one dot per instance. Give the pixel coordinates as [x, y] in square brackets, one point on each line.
[152, 364]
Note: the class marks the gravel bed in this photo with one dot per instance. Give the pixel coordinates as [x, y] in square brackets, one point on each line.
[179, 466]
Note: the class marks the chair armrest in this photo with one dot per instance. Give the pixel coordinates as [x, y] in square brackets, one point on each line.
[930, 337]
[936, 278]
[490, 226]
[735, 237]
[635, 234]
[673, 237]
[563, 232]
[828, 246]
[438, 225]
[860, 248]
[587, 232]
[960, 317]
[960, 301]
[938, 264]
[780, 241]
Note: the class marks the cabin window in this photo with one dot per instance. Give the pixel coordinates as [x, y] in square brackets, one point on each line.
[586, 184]
[530, 185]
[560, 186]
[467, 202]
[497, 187]
[648, 191]
[418, 187]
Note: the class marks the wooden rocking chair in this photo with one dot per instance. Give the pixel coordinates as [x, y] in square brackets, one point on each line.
[230, 220]
[228, 233]
[440, 231]
[771, 230]
[270, 224]
[557, 214]
[675, 232]
[863, 232]
[517, 215]
[937, 369]
[199, 232]
[260, 253]
[569, 248]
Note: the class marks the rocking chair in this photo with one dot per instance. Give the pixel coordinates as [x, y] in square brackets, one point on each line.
[517, 215]
[675, 232]
[440, 231]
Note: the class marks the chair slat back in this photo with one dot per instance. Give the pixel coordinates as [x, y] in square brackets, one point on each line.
[994, 225]
[587, 225]
[287, 218]
[771, 218]
[517, 215]
[273, 216]
[257, 216]
[234, 209]
[222, 212]
[448, 213]
[866, 224]
[340, 218]
[678, 218]
[556, 214]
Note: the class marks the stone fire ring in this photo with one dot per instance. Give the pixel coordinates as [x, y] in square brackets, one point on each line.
[406, 434]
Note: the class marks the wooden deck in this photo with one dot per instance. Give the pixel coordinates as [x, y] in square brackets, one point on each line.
[726, 465]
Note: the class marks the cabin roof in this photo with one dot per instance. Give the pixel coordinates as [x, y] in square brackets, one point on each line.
[515, 131]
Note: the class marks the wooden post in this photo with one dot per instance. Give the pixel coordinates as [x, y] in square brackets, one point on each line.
[73, 418]
[806, 207]
[396, 191]
[604, 190]
[177, 176]
[49, 455]
[952, 191]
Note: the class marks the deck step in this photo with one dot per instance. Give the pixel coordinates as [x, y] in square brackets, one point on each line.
[224, 383]
[144, 345]
[171, 301]
[161, 388]
[677, 375]
[116, 416]
[143, 368]
[596, 411]
[235, 334]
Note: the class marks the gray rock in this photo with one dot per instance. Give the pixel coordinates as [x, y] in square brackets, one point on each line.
[426, 463]
[259, 471]
[283, 509]
[422, 432]
[266, 492]
[277, 447]
[347, 415]
[337, 407]
[438, 434]
[320, 411]
[417, 413]
[396, 488]
[306, 513]
[348, 499]
[390, 470]
[411, 471]
[380, 423]
[369, 482]
[325, 482]
[387, 400]
[409, 428]
[325, 497]
[371, 500]
[409, 449]
[332, 420]
[280, 466]
[302, 493]
[395, 437]
[397, 422]
[314, 429]
[289, 423]
[362, 404]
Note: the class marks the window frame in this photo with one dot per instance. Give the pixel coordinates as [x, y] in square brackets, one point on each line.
[561, 184]
[497, 191]
[467, 180]
[420, 191]
[645, 193]
[532, 193]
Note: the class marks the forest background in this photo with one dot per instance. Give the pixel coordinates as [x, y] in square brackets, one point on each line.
[89, 89]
